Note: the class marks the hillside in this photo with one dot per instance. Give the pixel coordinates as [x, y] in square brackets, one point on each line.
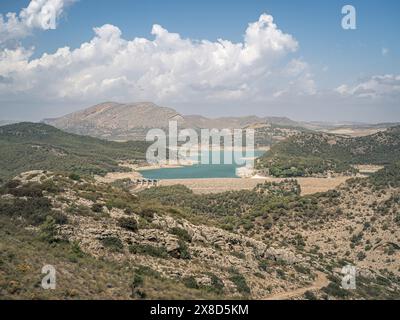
[33, 146]
[318, 153]
[167, 243]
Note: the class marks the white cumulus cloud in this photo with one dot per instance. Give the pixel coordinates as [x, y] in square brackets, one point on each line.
[39, 14]
[379, 86]
[166, 68]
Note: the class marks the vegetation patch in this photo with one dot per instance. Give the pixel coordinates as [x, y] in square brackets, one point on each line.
[113, 244]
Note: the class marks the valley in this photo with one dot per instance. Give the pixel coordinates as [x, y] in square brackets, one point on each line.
[316, 202]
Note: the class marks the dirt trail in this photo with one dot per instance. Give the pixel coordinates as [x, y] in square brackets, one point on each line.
[319, 283]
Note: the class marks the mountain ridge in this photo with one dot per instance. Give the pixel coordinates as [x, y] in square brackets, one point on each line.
[131, 121]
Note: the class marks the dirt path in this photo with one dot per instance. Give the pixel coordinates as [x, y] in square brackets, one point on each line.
[318, 284]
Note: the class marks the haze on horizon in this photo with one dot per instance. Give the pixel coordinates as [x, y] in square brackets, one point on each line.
[225, 59]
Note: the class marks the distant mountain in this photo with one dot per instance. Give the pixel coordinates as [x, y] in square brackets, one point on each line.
[116, 121]
[314, 153]
[34, 146]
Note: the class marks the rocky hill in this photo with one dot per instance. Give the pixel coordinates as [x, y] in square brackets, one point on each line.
[115, 121]
[167, 243]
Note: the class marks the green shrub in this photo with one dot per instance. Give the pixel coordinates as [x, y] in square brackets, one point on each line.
[59, 217]
[217, 285]
[182, 252]
[136, 286]
[181, 234]
[147, 213]
[190, 282]
[32, 190]
[48, 230]
[74, 176]
[113, 243]
[137, 280]
[80, 210]
[240, 283]
[310, 296]
[333, 289]
[128, 224]
[50, 187]
[263, 265]
[97, 208]
[34, 211]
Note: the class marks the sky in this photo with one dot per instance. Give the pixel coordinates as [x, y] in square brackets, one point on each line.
[215, 58]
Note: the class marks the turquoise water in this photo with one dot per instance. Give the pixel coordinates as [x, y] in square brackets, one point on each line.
[196, 172]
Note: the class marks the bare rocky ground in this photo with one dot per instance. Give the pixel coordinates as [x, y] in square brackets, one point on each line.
[299, 257]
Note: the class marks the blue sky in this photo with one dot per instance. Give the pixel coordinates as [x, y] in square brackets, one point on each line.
[334, 56]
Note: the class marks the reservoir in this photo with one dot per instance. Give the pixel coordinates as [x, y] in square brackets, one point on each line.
[197, 171]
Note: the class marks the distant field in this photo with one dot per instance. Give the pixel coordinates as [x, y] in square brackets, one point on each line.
[202, 186]
[354, 132]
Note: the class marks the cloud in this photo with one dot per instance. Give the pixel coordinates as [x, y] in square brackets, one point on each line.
[379, 86]
[385, 52]
[165, 69]
[39, 14]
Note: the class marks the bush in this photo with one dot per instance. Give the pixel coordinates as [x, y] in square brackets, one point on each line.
[97, 208]
[31, 190]
[190, 282]
[263, 265]
[80, 210]
[12, 184]
[113, 243]
[34, 211]
[137, 283]
[217, 285]
[128, 224]
[50, 187]
[182, 252]
[333, 289]
[74, 176]
[59, 217]
[310, 296]
[240, 282]
[181, 234]
[48, 230]
[147, 213]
